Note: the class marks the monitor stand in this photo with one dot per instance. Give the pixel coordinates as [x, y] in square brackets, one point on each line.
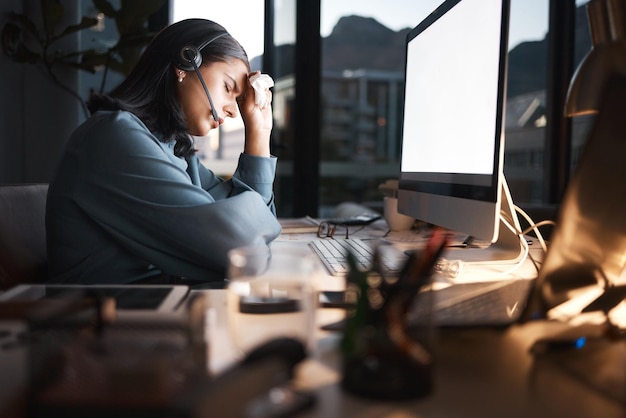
[509, 247]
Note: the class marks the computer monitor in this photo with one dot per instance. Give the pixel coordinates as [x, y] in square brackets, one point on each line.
[453, 126]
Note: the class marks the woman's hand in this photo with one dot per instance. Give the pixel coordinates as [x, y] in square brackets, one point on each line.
[257, 121]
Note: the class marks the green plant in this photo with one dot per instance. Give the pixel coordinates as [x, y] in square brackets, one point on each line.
[25, 41]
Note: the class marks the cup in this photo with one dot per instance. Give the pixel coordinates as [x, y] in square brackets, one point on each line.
[396, 220]
[270, 294]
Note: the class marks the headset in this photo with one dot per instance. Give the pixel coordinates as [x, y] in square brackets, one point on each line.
[190, 59]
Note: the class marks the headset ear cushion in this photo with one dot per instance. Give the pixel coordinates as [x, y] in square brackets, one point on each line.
[189, 55]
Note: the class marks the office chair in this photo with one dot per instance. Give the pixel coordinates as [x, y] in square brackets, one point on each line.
[23, 257]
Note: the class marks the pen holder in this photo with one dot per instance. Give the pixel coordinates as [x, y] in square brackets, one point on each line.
[387, 353]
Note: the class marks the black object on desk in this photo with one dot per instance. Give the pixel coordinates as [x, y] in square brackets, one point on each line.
[359, 220]
[268, 305]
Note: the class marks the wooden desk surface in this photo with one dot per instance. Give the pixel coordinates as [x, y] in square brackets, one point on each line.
[479, 372]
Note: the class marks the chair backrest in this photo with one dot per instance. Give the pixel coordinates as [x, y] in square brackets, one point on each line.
[23, 256]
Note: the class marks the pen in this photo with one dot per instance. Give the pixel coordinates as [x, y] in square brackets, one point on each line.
[413, 277]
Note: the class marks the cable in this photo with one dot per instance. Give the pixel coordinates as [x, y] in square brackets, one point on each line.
[535, 227]
[451, 269]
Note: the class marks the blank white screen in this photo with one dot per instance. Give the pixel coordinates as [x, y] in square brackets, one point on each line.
[451, 92]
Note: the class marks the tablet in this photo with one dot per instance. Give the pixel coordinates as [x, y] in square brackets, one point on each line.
[131, 301]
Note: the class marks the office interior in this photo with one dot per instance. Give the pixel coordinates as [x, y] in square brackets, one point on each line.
[337, 137]
[337, 123]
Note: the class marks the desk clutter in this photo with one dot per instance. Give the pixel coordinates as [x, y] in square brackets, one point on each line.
[387, 353]
[73, 356]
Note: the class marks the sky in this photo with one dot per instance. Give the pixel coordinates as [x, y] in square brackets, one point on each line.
[244, 18]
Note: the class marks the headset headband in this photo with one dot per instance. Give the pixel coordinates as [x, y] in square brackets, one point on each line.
[190, 54]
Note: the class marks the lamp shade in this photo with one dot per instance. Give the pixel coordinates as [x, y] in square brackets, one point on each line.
[606, 57]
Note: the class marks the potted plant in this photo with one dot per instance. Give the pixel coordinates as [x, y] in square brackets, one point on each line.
[25, 41]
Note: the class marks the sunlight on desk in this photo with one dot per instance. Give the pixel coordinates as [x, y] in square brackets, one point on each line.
[479, 372]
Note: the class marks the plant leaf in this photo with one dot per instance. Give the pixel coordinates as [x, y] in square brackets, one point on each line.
[24, 55]
[92, 58]
[105, 7]
[80, 66]
[85, 23]
[27, 24]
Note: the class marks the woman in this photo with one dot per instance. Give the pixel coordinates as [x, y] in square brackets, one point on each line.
[131, 203]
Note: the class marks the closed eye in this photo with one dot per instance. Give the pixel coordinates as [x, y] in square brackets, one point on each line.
[235, 86]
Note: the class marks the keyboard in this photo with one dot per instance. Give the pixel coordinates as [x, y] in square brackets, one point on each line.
[497, 302]
[333, 252]
[469, 304]
[481, 303]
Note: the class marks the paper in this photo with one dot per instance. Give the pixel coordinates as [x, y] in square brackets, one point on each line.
[261, 82]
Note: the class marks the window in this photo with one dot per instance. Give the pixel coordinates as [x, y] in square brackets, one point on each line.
[362, 85]
[220, 149]
[525, 124]
[582, 46]
[338, 96]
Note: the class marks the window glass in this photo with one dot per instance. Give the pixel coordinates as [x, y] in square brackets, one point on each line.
[582, 46]
[283, 102]
[526, 100]
[362, 84]
[362, 89]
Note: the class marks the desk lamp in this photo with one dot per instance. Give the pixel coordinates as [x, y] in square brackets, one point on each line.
[607, 23]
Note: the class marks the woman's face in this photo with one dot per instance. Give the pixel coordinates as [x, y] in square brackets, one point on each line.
[226, 81]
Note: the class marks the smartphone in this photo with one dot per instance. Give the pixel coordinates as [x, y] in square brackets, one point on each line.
[334, 299]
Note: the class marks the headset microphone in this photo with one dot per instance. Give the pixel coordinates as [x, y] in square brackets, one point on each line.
[191, 59]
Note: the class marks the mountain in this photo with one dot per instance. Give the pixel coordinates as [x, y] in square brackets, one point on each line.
[363, 43]
[528, 61]
[527, 68]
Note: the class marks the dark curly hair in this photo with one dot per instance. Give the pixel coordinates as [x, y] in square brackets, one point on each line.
[149, 90]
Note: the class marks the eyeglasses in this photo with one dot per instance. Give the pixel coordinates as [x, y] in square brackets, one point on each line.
[329, 230]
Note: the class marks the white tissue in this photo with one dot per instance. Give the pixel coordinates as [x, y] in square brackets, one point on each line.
[260, 82]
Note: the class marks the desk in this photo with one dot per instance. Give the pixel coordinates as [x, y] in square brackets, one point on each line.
[479, 372]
